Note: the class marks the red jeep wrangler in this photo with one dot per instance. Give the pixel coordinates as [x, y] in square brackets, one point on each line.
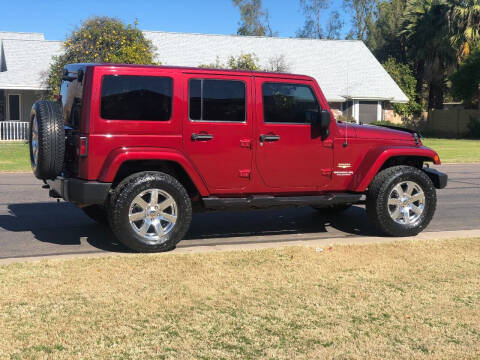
[139, 147]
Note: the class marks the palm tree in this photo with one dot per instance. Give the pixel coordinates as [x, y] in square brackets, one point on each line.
[464, 19]
[426, 29]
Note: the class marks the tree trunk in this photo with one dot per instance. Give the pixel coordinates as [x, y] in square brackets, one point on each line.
[435, 96]
[419, 73]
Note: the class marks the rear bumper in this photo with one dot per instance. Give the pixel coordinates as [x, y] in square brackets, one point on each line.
[79, 191]
[438, 178]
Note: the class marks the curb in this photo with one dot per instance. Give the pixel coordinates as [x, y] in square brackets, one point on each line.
[273, 241]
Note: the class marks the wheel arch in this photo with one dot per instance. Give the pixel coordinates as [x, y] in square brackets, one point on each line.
[127, 161]
[379, 159]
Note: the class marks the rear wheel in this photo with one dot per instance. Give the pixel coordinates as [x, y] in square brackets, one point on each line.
[401, 201]
[47, 139]
[150, 212]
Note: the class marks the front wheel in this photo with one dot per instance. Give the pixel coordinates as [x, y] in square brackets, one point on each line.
[401, 201]
[150, 212]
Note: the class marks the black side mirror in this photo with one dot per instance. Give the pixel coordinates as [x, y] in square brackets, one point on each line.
[324, 120]
[320, 120]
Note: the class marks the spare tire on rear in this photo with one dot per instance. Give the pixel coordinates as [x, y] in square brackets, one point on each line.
[47, 139]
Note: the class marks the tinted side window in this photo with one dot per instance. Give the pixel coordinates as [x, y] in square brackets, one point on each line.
[287, 103]
[217, 100]
[136, 98]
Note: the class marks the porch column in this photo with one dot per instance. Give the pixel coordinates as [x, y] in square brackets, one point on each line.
[379, 111]
[356, 111]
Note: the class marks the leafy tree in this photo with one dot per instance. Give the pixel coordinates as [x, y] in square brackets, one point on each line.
[254, 21]
[363, 15]
[426, 30]
[464, 16]
[466, 81]
[216, 65]
[334, 26]
[244, 62]
[312, 9]
[241, 62]
[249, 62]
[384, 38]
[312, 28]
[277, 64]
[403, 76]
[101, 40]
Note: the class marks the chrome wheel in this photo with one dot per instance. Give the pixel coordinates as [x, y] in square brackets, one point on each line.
[153, 214]
[34, 141]
[406, 203]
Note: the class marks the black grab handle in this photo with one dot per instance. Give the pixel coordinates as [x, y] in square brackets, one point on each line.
[202, 137]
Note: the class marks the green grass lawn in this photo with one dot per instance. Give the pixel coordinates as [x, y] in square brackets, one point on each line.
[404, 300]
[455, 151]
[14, 157]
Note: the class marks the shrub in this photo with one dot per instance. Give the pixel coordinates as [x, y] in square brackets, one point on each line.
[403, 76]
[474, 128]
[387, 123]
[101, 40]
[346, 118]
[466, 81]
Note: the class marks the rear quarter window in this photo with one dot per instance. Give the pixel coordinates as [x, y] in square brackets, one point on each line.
[127, 97]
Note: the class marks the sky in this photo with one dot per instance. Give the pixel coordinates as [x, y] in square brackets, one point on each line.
[57, 18]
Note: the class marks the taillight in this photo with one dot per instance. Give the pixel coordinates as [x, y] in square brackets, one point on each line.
[83, 146]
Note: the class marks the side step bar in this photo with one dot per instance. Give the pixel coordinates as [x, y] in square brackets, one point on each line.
[260, 202]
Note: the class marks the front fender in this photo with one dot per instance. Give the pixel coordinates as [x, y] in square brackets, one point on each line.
[375, 159]
[117, 157]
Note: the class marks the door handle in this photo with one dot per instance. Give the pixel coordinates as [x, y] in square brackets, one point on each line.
[202, 137]
[269, 138]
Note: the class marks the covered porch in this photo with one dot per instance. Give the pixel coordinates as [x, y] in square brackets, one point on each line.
[15, 107]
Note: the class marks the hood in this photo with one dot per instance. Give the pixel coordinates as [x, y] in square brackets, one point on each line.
[381, 133]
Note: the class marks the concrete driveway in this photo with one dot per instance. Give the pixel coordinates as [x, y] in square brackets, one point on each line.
[33, 225]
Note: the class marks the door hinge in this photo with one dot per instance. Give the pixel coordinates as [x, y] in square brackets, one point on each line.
[246, 143]
[244, 173]
[327, 172]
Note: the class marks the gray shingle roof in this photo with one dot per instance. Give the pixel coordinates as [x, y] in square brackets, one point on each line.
[21, 35]
[342, 68]
[27, 61]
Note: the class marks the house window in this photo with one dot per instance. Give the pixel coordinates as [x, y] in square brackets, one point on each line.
[2, 105]
[14, 107]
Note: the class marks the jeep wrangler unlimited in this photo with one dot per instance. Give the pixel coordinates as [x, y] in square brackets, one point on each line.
[139, 147]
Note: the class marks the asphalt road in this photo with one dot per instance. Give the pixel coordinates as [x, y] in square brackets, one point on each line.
[32, 224]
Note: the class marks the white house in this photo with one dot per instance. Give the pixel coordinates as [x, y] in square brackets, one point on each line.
[24, 60]
[354, 82]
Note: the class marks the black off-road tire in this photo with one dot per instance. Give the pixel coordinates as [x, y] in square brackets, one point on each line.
[97, 213]
[50, 139]
[377, 198]
[332, 209]
[125, 193]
